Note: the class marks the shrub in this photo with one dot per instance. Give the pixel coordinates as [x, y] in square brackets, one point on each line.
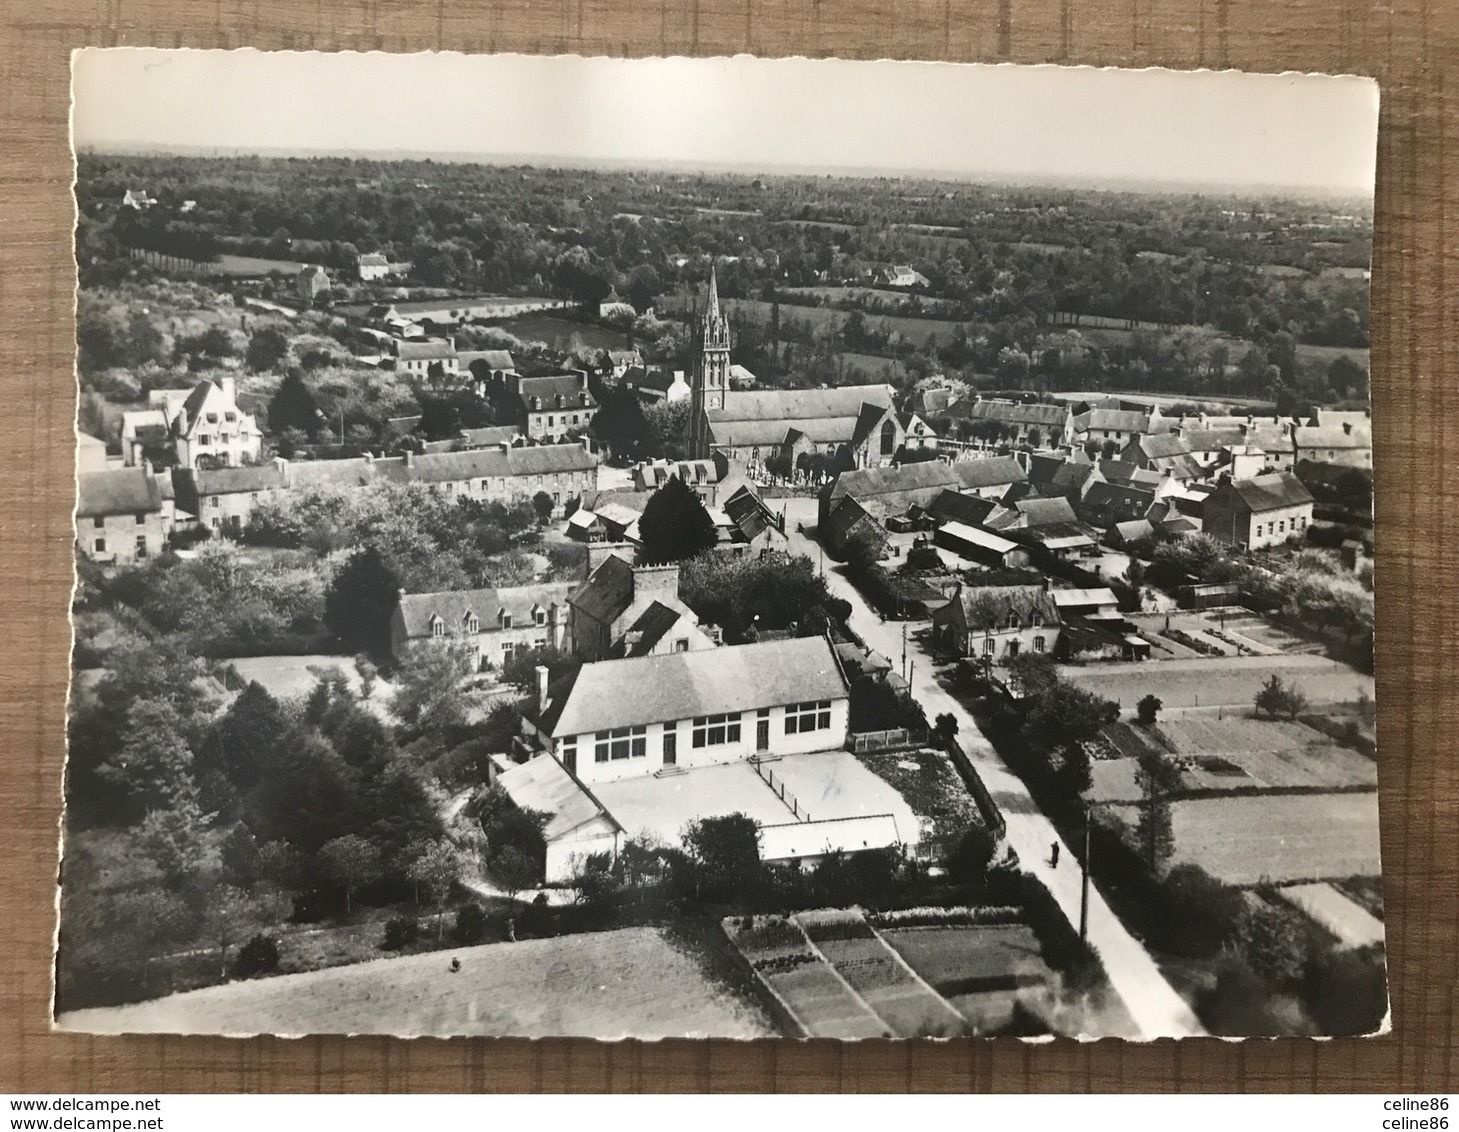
[259, 956]
[470, 924]
[400, 931]
[961, 916]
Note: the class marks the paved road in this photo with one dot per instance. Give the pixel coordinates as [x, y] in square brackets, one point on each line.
[1157, 1010]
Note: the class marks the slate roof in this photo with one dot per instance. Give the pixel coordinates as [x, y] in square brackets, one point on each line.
[1034, 512]
[865, 483]
[989, 471]
[801, 404]
[494, 359]
[1333, 436]
[118, 491]
[1163, 445]
[544, 784]
[655, 689]
[1118, 495]
[747, 514]
[1272, 491]
[867, 422]
[1135, 530]
[651, 626]
[452, 606]
[1112, 420]
[232, 481]
[424, 349]
[568, 386]
[606, 592]
[493, 434]
[1213, 439]
[1012, 412]
[976, 536]
[980, 605]
[952, 506]
[479, 463]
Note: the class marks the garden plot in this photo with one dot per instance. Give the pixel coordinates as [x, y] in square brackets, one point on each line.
[876, 973]
[983, 970]
[816, 997]
[1258, 630]
[1227, 682]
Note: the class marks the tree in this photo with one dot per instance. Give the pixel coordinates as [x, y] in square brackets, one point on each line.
[1147, 709]
[727, 852]
[352, 862]
[1272, 941]
[862, 550]
[293, 407]
[945, 728]
[1157, 779]
[434, 872]
[428, 695]
[1276, 698]
[515, 870]
[544, 506]
[675, 524]
[360, 600]
[969, 861]
[231, 914]
[154, 767]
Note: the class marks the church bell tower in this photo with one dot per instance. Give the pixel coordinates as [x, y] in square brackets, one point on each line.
[711, 370]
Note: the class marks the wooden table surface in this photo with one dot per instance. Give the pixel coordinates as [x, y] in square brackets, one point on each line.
[1411, 46]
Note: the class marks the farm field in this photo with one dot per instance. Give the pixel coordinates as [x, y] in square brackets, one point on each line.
[560, 332]
[982, 971]
[1229, 682]
[917, 330]
[876, 973]
[1275, 838]
[603, 985]
[880, 294]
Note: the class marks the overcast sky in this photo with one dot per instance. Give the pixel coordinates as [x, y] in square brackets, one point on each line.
[1022, 123]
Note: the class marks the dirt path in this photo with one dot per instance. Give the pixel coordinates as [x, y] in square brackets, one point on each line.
[1354, 925]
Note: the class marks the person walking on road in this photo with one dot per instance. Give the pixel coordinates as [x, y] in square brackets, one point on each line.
[1054, 856]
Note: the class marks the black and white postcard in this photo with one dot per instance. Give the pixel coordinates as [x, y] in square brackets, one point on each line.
[723, 547]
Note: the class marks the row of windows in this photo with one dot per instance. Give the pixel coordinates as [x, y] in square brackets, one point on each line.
[473, 623]
[712, 730]
[811, 716]
[990, 646]
[99, 521]
[206, 439]
[576, 418]
[1280, 526]
[99, 546]
[620, 743]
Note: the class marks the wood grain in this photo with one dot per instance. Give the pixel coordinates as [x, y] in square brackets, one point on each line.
[1411, 46]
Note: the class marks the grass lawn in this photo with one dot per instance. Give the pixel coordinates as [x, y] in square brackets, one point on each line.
[627, 983]
[1230, 682]
[254, 265]
[982, 971]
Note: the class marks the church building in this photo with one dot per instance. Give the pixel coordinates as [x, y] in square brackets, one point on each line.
[748, 427]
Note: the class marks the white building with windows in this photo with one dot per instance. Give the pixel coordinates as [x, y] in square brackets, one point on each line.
[496, 623]
[202, 427]
[642, 715]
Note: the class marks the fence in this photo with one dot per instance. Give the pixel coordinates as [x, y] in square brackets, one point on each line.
[784, 795]
[863, 742]
[989, 808]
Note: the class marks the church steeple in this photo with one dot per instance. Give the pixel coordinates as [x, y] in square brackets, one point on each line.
[711, 369]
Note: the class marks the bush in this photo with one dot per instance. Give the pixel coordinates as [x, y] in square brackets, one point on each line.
[470, 924]
[400, 931]
[259, 956]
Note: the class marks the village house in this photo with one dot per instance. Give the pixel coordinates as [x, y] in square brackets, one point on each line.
[980, 547]
[372, 266]
[1262, 511]
[1047, 426]
[91, 454]
[496, 623]
[139, 199]
[1100, 425]
[621, 609]
[550, 408]
[432, 361]
[223, 499]
[201, 428]
[310, 283]
[123, 515]
[917, 433]
[1166, 453]
[902, 275]
[621, 361]
[685, 708]
[1344, 439]
[997, 622]
[657, 385]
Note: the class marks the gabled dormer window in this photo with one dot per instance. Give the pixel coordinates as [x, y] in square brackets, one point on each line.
[541, 616]
[473, 624]
[438, 627]
[1036, 619]
[505, 618]
[1013, 620]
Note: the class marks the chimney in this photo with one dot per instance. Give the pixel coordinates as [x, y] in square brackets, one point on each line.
[633, 638]
[229, 386]
[1048, 583]
[655, 582]
[409, 458]
[541, 689]
[1347, 428]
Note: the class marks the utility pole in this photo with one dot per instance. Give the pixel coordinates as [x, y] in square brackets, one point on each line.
[1084, 884]
[904, 650]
